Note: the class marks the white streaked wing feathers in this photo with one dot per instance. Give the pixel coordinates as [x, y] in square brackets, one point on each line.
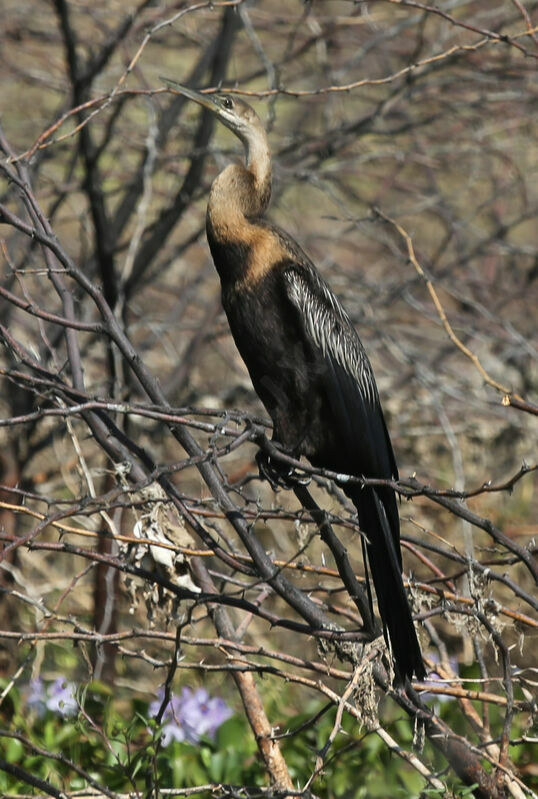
[331, 329]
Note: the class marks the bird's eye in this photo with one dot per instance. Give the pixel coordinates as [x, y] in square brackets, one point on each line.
[228, 102]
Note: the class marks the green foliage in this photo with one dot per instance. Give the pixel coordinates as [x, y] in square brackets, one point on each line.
[121, 749]
[116, 744]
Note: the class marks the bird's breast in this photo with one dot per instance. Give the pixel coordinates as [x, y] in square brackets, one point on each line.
[281, 363]
[244, 252]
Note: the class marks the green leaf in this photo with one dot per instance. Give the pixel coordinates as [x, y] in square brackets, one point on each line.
[13, 750]
[217, 766]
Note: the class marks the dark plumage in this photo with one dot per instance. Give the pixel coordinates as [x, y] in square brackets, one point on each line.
[305, 359]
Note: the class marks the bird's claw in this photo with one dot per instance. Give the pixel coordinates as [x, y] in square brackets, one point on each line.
[279, 474]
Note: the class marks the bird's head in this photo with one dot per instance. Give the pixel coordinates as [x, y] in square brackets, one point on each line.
[232, 111]
[242, 120]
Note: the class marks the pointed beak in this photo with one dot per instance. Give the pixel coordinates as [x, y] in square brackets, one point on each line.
[206, 100]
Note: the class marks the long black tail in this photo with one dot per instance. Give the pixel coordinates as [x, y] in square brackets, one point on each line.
[378, 519]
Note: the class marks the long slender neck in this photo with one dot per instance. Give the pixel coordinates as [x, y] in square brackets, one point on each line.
[258, 159]
[241, 194]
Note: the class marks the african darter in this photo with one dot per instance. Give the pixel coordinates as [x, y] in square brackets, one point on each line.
[306, 361]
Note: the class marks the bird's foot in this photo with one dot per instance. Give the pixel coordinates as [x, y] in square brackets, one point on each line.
[279, 475]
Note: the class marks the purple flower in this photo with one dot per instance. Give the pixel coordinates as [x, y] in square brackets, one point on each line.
[171, 720]
[190, 716]
[435, 679]
[202, 714]
[61, 698]
[36, 697]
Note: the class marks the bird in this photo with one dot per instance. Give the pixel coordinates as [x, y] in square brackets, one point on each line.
[306, 361]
